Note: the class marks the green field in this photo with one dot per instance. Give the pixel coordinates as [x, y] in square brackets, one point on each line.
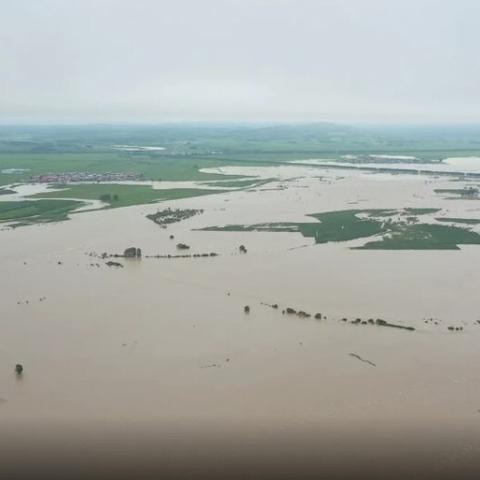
[121, 195]
[26, 151]
[248, 139]
[335, 226]
[27, 212]
[345, 225]
[424, 237]
[190, 147]
[152, 167]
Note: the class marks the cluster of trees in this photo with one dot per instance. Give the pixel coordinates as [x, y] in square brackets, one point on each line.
[167, 216]
[108, 198]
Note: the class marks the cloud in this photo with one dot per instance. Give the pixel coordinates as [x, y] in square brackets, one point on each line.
[160, 60]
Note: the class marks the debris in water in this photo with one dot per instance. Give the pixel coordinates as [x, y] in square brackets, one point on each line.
[213, 365]
[113, 264]
[358, 357]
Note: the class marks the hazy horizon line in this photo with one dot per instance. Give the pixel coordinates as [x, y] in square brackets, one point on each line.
[237, 123]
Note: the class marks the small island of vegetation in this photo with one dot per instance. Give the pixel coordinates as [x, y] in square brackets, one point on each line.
[394, 229]
[168, 216]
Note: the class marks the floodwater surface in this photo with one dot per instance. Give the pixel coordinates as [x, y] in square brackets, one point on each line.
[167, 342]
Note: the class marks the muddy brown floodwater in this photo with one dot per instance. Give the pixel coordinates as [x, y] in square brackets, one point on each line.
[126, 351]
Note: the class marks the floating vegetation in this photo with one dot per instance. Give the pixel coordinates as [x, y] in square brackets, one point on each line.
[168, 216]
[396, 229]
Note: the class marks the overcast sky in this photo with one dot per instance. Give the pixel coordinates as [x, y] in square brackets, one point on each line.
[281, 60]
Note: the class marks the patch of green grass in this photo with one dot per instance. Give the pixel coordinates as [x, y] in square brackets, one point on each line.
[425, 237]
[151, 166]
[341, 226]
[186, 146]
[37, 211]
[121, 195]
[332, 226]
[347, 225]
[191, 147]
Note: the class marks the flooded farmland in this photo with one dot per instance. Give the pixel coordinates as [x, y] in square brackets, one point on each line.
[165, 340]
